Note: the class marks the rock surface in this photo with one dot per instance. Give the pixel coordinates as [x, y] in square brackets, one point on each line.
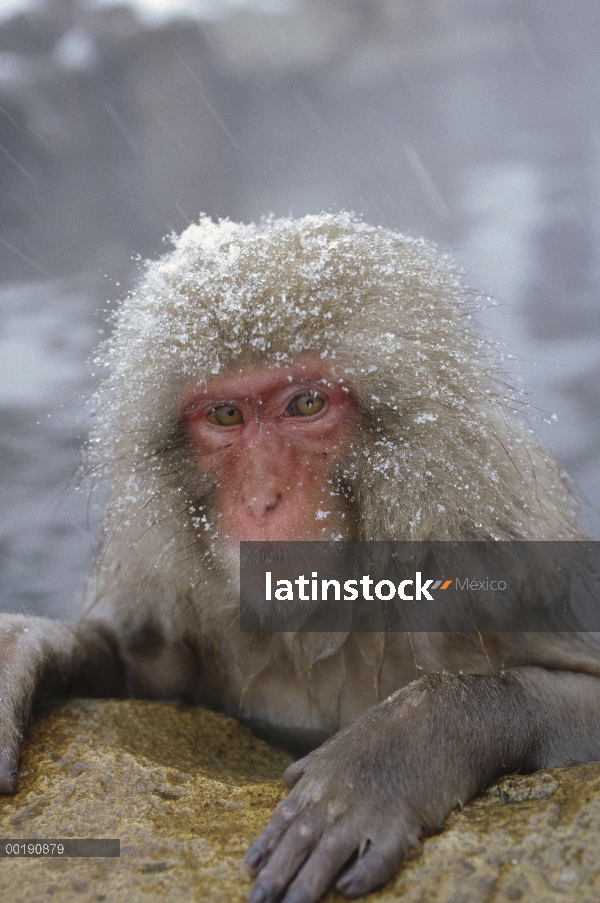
[186, 790]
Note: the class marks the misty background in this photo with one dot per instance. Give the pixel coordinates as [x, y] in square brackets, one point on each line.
[475, 123]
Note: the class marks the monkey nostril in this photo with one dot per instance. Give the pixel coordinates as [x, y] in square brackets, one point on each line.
[259, 505]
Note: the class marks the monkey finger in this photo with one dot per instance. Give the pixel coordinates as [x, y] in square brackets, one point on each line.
[316, 875]
[9, 771]
[285, 862]
[294, 772]
[379, 864]
[260, 849]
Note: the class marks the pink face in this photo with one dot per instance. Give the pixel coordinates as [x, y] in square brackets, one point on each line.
[270, 438]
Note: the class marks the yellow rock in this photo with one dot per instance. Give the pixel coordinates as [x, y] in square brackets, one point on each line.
[186, 790]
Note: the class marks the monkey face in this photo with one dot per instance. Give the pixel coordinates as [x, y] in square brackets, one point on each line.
[270, 438]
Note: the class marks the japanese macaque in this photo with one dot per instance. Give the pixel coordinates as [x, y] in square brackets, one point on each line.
[313, 379]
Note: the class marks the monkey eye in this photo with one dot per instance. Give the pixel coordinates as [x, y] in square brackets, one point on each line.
[225, 415]
[305, 405]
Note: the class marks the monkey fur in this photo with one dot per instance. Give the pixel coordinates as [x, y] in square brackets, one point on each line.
[438, 451]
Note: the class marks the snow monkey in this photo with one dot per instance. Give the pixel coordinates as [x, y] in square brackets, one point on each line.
[303, 380]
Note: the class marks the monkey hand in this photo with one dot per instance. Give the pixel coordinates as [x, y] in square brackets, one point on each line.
[40, 657]
[21, 640]
[361, 800]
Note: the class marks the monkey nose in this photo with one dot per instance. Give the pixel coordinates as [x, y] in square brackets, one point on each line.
[262, 503]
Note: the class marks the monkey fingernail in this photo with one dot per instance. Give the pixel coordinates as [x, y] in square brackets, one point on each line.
[9, 774]
[348, 887]
[9, 783]
[252, 860]
[257, 895]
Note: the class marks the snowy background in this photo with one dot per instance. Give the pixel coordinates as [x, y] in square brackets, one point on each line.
[473, 122]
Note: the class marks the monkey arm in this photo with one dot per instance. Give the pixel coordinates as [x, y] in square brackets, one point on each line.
[397, 772]
[39, 658]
